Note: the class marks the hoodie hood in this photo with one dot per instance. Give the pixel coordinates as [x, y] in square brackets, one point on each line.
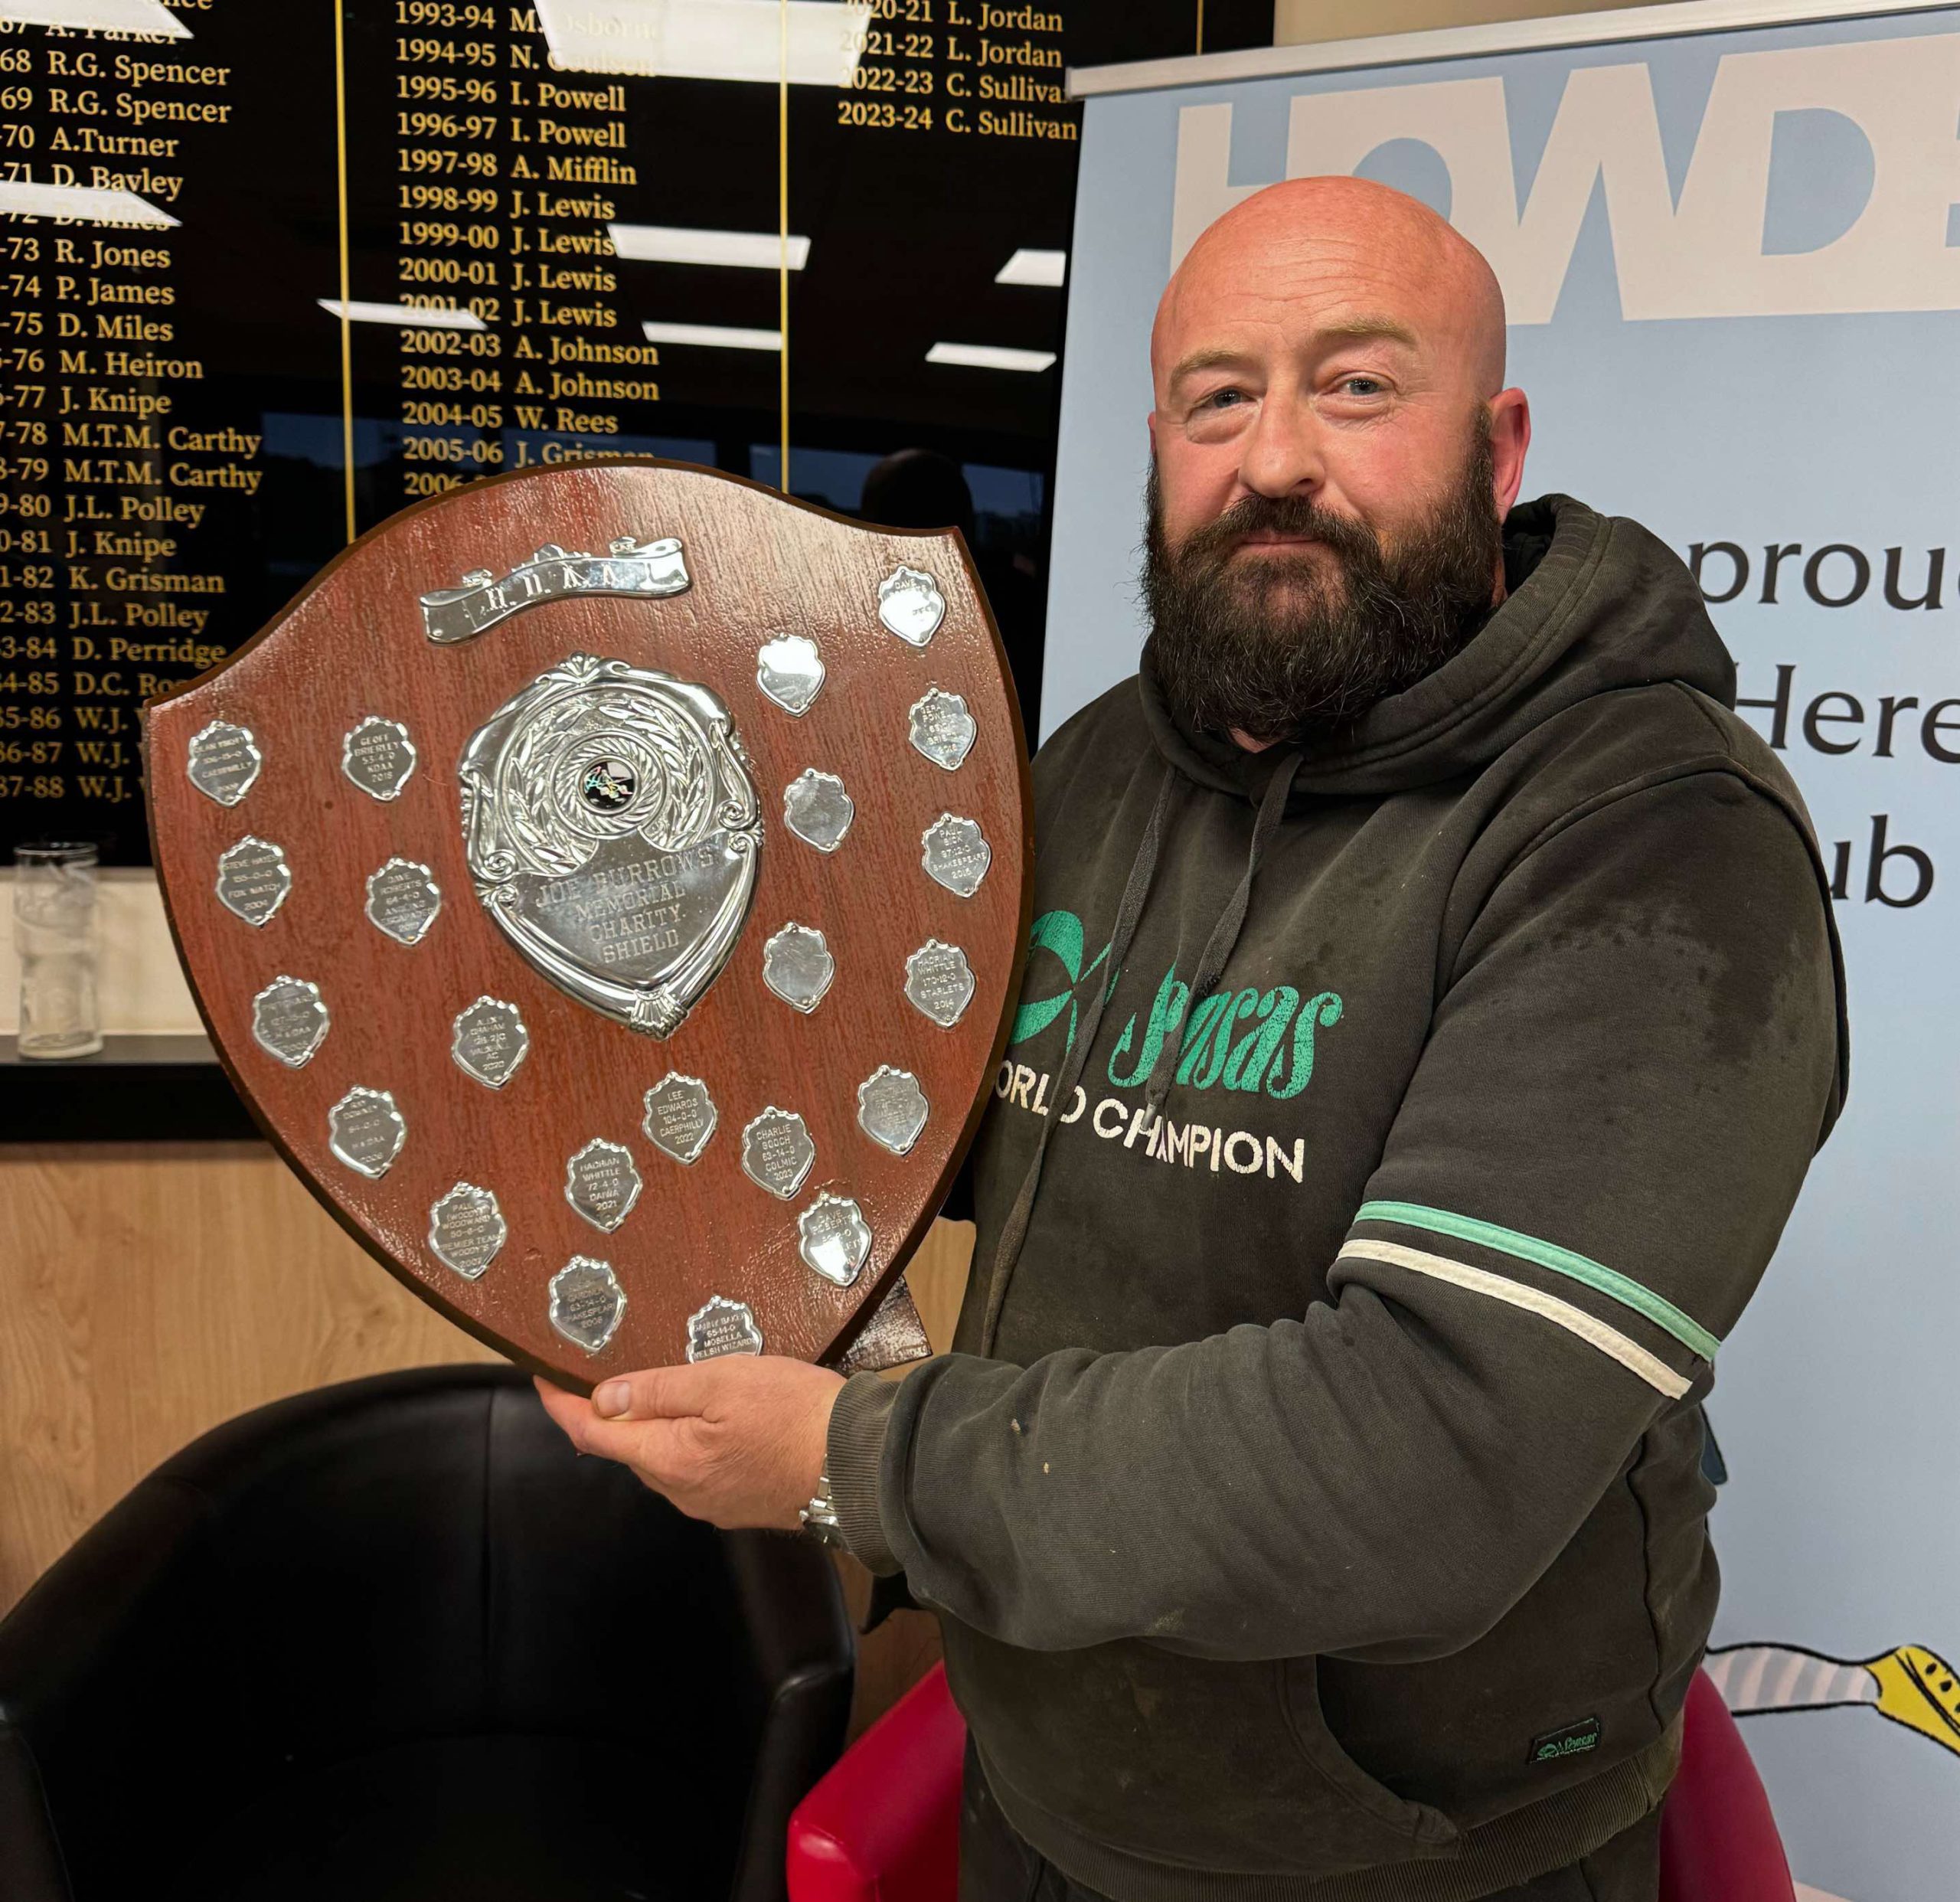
[1594, 602]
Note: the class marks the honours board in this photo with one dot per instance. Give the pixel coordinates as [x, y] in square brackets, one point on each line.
[268, 273]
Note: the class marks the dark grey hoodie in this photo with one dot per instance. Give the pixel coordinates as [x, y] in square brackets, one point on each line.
[1312, 1502]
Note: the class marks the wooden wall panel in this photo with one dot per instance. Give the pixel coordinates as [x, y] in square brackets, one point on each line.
[148, 1292]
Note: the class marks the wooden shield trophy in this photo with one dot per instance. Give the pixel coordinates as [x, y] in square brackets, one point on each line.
[607, 886]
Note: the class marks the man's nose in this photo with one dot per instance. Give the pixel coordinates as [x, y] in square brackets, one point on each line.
[1283, 450]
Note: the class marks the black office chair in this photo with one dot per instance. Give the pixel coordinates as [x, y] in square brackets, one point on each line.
[394, 1641]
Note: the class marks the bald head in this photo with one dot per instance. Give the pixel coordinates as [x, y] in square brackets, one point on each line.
[1375, 250]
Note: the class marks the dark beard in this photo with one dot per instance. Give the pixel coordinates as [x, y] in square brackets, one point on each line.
[1290, 647]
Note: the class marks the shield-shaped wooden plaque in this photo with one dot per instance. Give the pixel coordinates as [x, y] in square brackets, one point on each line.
[607, 885]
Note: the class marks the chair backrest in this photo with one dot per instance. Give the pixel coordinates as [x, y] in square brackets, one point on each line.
[1718, 1838]
[411, 1556]
[884, 1824]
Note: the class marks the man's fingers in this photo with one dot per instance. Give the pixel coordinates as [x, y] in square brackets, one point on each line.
[655, 1393]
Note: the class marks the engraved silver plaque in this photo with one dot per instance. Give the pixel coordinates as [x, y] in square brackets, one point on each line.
[223, 762]
[378, 756]
[602, 1183]
[680, 1116]
[466, 1230]
[366, 1131]
[403, 901]
[790, 671]
[289, 1018]
[910, 604]
[939, 980]
[254, 879]
[816, 807]
[956, 854]
[834, 1238]
[722, 1327]
[613, 833]
[941, 728]
[777, 1151]
[587, 1302]
[647, 569]
[891, 1109]
[797, 965]
[489, 1040]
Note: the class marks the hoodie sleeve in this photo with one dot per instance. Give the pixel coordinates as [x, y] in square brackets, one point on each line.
[1636, 1054]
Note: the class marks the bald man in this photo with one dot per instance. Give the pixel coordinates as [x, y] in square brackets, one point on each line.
[1432, 1009]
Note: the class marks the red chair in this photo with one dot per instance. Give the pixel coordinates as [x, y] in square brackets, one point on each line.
[884, 1824]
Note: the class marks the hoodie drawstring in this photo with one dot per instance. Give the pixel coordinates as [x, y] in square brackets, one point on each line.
[1014, 1232]
[1211, 966]
[1218, 948]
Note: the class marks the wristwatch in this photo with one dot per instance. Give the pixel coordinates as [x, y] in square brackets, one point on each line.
[819, 1517]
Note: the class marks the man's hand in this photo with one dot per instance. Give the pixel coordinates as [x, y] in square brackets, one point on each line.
[738, 1440]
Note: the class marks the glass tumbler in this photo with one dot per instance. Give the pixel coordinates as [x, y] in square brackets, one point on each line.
[54, 934]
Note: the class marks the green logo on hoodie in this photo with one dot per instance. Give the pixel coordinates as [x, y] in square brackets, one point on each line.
[1247, 1039]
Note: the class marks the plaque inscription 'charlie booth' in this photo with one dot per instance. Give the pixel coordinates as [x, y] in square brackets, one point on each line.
[619, 940]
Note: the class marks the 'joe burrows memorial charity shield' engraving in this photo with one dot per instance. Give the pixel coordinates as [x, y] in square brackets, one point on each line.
[556, 765]
[613, 833]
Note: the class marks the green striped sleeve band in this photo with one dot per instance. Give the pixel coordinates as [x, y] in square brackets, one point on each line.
[1662, 1313]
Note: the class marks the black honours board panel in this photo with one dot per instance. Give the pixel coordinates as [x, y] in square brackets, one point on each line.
[271, 269]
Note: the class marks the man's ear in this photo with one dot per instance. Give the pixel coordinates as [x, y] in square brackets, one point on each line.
[1150, 424]
[1510, 436]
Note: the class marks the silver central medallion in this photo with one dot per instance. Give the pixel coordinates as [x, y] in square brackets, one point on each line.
[612, 828]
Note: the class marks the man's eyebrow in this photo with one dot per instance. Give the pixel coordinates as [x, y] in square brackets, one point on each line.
[1364, 328]
[1342, 330]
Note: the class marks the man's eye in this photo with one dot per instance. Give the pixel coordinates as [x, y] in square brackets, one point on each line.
[1362, 385]
[1221, 398]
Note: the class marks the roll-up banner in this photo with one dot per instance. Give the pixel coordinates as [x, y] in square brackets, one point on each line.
[1731, 259]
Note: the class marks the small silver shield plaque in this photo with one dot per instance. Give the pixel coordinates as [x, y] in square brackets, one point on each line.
[910, 604]
[254, 879]
[586, 1302]
[602, 1183]
[790, 671]
[891, 1109]
[489, 1040]
[942, 729]
[777, 1151]
[956, 854]
[613, 830]
[224, 761]
[366, 1131]
[403, 901]
[466, 1230]
[289, 1019]
[722, 1327]
[834, 1238]
[680, 1116]
[378, 756]
[816, 807]
[939, 980]
[797, 965]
